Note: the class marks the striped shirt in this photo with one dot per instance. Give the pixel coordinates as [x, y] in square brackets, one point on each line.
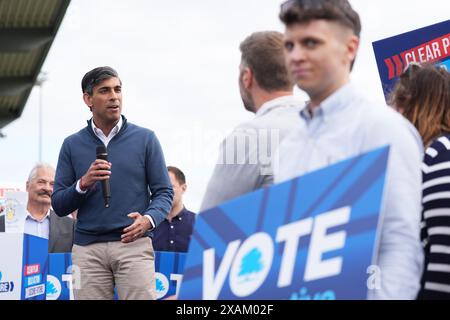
[435, 226]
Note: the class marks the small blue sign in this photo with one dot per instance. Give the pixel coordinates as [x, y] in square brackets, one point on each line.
[59, 276]
[169, 271]
[430, 44]
[34, 267]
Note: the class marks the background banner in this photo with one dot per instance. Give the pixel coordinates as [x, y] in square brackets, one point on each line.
[394, 54]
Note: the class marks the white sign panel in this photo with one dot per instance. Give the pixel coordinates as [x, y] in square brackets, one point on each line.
[15, 211]
[10, 273]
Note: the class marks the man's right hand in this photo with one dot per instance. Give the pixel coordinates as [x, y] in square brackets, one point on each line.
[99, 170]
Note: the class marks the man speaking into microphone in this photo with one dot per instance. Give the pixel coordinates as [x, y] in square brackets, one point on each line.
[114, 174]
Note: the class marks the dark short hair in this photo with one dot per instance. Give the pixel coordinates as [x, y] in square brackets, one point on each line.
[340, 11]
[95, 76]
[263, 53]
[179, 175]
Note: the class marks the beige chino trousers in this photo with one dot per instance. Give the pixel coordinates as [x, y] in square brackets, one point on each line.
[100, 267]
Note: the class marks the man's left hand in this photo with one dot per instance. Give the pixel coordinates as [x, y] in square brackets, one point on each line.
[133, 232]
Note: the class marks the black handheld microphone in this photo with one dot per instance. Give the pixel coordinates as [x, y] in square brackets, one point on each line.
[102, 154]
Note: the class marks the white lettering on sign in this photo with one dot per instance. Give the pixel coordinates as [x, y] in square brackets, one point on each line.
[249, 263]
[34, 291]
[177, 278]
[291, 234]
[446, 44]
[33, 280]
[321, 242]
[32, 269]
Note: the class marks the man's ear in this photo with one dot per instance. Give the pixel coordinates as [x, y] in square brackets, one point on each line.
[88, 100]
[352, 47]
[27, 186]
[184, 187]
[247, 77]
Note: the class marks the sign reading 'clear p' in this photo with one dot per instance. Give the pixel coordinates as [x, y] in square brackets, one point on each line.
[426, 45]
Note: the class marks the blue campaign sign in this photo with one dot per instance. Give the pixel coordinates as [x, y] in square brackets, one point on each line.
[168, 275]
[34, 272]
[430, 44]
[169, 272]
[311, 237]
[59, 276]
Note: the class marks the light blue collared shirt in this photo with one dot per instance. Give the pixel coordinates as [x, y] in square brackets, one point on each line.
[344, 125]
[38, 228]
[99, 133]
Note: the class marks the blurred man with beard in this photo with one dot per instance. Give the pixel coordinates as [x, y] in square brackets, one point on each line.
[245, 161]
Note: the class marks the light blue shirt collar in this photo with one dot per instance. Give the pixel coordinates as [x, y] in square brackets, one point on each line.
[331, 105]
[278, 102]
[30, 216]
[99, 133]
[113, 132]
[38, 228]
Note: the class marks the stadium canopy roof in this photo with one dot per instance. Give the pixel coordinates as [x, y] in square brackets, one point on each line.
[27, 31]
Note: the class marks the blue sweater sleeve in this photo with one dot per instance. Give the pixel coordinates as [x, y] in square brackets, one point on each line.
[158, 182]
[65, 198]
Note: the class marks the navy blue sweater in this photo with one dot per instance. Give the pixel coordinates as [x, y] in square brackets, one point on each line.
[138, 167]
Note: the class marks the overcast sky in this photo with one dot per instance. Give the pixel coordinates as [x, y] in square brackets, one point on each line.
[178, 61]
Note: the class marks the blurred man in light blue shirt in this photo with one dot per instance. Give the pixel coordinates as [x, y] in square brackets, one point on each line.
[321, 43]
[244, 162]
